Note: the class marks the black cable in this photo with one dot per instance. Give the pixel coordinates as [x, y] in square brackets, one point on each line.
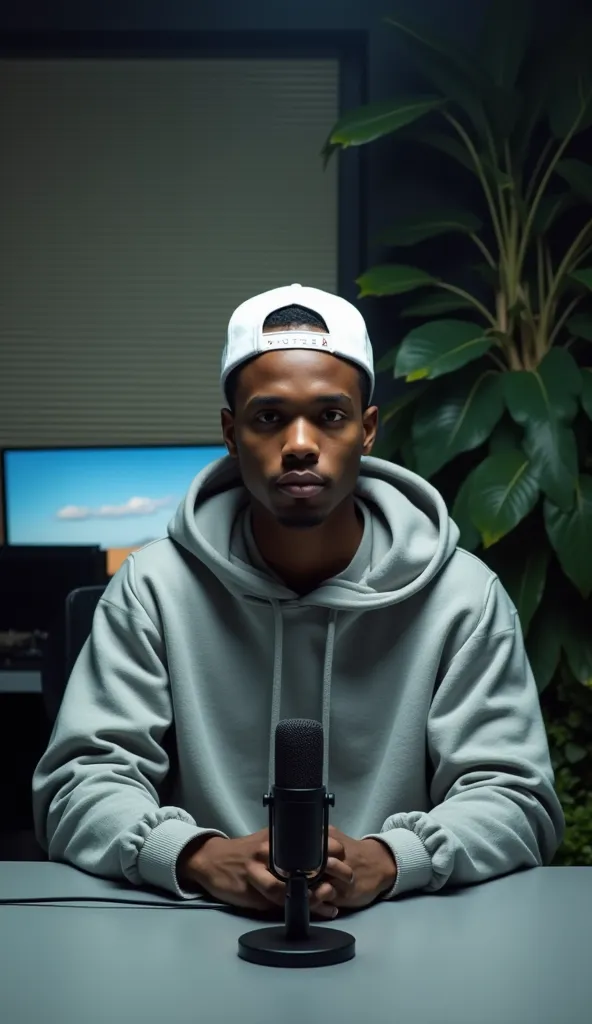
[184, 905]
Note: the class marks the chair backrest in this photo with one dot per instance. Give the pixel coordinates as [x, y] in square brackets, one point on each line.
[66, 640]
[80, 609]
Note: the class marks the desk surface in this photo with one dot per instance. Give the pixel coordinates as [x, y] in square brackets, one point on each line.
[513, 951]
[20, 681]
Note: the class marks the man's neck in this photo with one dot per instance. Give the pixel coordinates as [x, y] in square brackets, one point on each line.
[304, 559]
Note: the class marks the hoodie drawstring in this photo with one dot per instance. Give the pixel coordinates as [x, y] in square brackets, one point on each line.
[276, 693]
[327, 678]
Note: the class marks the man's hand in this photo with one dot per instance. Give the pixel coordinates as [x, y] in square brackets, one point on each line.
[357, 872]
[236, 871]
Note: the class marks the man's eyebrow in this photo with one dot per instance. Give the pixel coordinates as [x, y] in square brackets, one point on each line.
[262, 401]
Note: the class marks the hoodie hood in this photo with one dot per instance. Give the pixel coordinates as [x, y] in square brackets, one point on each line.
[413, 537]
[408, 537]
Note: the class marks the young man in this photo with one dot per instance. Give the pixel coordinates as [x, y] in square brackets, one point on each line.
[301, 578]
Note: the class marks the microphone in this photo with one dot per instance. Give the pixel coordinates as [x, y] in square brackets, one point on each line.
[298, 843]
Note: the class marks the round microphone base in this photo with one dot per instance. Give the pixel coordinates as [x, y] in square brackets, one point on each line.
[271, 948]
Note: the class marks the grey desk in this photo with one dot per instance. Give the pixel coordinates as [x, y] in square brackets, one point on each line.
[514, 951]
[20, 681]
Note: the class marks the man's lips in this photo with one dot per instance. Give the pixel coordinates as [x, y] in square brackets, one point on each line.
[301, 484]
[302, 490]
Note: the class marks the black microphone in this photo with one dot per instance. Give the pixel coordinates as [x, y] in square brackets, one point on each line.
[298, 843]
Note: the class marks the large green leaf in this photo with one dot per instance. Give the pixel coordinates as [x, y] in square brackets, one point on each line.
[437, 222]
[433, 305]
[396, 434]
[449, 68]
[372, 121]
[505, 34]
[570, 534]
[583, 276]
[445, 143]
[543, 644]
[552, 451]
[580, 326]
[392, 279]
[439, 347]
[524, 579]
[455, 415]
[409, 395]
[386, 362]
[535, 89]
[469, 534]
[505, 438]
[587, 390]
[549, 209]
[571, 99]
[535, 396]
[578, 176]
[576, 636]
[503, 492]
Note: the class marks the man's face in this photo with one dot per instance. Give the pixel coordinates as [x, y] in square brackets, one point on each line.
[298, 411]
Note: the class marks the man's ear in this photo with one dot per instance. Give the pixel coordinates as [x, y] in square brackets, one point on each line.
[370, 424]
[228, 431]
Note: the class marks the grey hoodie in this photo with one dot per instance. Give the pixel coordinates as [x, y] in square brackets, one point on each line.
[412, 657]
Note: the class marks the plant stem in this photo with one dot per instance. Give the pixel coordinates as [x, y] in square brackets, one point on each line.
[481, 245]
[497, 361]
[540, 191]
[537, 169]
[470, 298]
[482, 177]
[548, 264]
[564, 318]
[567, 263]
[540, 272]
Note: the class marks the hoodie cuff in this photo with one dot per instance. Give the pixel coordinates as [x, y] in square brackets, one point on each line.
[157, 860]
[414, 864]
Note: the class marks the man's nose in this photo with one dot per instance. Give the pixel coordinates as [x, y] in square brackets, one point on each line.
[301, 440]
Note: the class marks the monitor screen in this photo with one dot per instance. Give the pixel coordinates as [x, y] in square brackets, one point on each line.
[118, 498]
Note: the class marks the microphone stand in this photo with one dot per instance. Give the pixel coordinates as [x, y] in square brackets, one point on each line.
[297, 909]
[297, 944]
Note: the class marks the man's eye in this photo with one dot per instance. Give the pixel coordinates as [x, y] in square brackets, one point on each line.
[271, 418]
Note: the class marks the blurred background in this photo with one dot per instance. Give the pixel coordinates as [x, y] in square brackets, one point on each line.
[163, 162]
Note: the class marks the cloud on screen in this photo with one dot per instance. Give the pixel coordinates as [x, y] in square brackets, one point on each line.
[132, 507]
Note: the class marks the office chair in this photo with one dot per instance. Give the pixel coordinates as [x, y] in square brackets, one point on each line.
[64, 645]
[66, 640]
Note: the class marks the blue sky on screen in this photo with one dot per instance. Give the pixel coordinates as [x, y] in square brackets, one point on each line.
[114, 497]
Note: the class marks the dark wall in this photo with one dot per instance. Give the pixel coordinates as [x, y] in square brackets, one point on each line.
[389, 185]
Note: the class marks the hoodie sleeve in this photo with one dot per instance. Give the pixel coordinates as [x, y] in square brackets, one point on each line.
[494, 806]
[95, 790]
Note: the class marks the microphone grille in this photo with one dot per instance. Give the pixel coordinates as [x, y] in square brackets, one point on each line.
[299, 753]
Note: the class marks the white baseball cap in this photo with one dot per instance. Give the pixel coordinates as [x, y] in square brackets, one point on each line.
[346, 334]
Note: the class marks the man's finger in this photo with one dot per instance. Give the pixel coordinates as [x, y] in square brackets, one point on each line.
[263, 852]
[265, 883]
[340, 873]
[321, 900]
[335, 848]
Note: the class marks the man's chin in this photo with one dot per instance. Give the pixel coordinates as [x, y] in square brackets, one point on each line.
[301, 522]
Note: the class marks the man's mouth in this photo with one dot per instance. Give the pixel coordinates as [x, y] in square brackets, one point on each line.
[301, 484]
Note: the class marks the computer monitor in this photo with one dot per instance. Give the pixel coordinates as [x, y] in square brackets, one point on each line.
[118, 498]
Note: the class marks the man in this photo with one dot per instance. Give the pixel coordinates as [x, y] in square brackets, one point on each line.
[301, 578]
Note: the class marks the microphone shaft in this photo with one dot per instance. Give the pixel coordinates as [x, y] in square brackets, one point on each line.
[297, 908]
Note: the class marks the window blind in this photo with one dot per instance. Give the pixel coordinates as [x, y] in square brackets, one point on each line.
[141, 201]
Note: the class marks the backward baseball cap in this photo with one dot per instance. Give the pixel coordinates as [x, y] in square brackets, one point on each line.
[346, 334]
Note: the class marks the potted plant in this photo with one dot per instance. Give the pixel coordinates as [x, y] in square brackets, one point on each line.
[492, 393]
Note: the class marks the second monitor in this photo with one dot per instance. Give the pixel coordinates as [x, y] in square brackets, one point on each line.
[118, 498]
